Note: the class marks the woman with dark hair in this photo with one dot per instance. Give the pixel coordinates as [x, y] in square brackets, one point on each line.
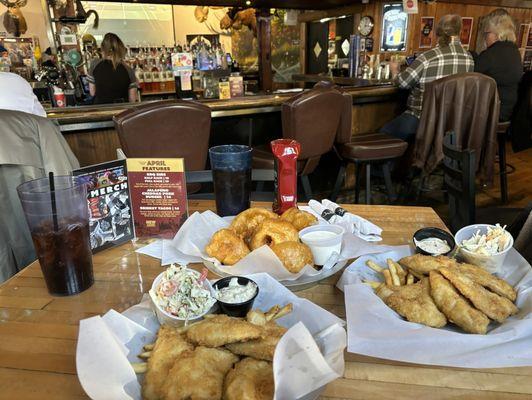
[110, 79]
[501, 60]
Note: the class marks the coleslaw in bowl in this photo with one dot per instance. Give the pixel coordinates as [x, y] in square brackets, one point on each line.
[180, 295]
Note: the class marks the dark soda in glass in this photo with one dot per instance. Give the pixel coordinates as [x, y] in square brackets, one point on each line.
[58, 219]
[231, 172]
[232, 191]
[65, 257]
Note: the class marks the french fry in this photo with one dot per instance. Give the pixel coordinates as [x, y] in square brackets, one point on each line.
[287, 309]
[400, 269]
[145, 355]
[149, 347]
[393, 266]
[374, 266]
[373, 284]
[387, 277]
[409, 279]
[272, 312]
[140, 368]
[395, 277]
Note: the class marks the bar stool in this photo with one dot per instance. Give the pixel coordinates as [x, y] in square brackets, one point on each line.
[367, 150]
[502, 128]
[315, 119]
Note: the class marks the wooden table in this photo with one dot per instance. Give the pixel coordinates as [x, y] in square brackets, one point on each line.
[38, 333]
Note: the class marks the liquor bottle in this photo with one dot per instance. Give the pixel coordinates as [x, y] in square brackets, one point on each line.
[156, 78]
[219, 57]
[148, 80]
[139, 74]
[224, 57]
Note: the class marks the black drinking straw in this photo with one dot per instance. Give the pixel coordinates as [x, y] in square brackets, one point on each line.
[52, 198]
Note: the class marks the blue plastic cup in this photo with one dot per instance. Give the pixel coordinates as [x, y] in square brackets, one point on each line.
[231, 171]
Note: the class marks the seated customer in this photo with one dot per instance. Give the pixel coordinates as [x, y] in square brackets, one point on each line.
[16, 94]
[448, 58]
[110, 79]
[501, 60]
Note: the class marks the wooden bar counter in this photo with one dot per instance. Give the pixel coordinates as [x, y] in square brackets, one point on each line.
[38, 332]
[89, 130]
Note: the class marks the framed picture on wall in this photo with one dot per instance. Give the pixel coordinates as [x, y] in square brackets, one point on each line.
[522, 37]
[394, 27]
[527, 60]
[529, 37]
[426, 33]
[467, 30]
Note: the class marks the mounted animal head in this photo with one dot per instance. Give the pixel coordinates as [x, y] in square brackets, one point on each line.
[236, 17]
[14, 21]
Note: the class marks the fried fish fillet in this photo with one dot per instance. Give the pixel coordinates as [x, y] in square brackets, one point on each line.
[250, 379]
[199, 375]
[482, 277]
[413, 302]
[219, 330]
[263, 348]
[422, 265]
[494, 306]
[168, 348]
[455, 307]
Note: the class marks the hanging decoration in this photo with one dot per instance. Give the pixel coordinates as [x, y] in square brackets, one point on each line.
[14, 21]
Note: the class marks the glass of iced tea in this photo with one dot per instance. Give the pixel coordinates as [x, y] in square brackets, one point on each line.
[231, 172]
[60, 232]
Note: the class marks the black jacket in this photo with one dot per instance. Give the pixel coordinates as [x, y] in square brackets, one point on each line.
[502, 62]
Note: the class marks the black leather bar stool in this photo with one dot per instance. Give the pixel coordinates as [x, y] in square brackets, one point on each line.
[367, 150]
[502, 128]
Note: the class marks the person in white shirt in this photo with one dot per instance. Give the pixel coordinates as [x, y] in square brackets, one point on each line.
[16, 94]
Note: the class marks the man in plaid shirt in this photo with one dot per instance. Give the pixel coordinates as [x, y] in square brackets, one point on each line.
[448, 58]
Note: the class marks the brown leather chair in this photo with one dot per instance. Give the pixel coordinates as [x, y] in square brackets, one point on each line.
[467, 104]
[313, 118]
[171, 129]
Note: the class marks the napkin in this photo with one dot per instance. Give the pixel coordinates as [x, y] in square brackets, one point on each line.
[336, 215]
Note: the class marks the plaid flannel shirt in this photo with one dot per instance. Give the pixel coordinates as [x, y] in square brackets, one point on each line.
[432, 65]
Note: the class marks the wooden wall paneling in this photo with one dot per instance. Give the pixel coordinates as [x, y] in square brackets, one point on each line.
[437, 10]
[264, 36]
[369, 118]
[93, 147]
[303, 47]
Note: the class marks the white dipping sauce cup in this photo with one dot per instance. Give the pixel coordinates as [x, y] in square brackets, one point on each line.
[492, 263]
[323, 248]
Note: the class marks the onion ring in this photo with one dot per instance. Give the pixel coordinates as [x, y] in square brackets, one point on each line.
[273, 231]
[299, 218]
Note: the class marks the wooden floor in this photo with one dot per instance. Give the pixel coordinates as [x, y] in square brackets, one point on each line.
[519, 182]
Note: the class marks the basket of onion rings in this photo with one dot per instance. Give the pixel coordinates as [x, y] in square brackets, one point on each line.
[257, 227]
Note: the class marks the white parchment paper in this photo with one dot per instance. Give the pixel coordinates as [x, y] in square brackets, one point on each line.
[310, 354]
[376, 330]
[189, 243]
